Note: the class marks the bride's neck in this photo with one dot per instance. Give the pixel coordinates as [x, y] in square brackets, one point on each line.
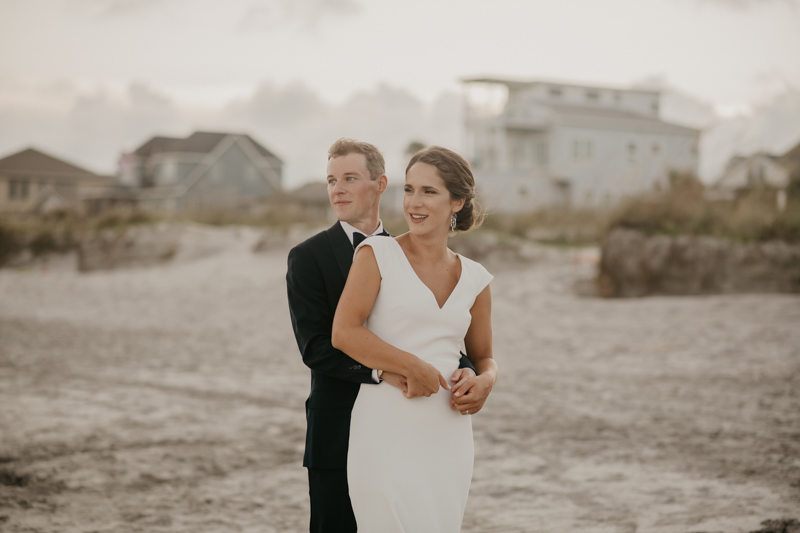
[429, 248]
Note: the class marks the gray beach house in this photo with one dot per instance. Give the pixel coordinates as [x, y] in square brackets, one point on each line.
[205, 171]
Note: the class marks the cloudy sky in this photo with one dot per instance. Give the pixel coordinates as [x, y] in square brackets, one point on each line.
[86, 79]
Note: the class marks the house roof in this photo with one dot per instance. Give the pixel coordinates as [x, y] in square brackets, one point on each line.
[760, 168]
[516, 83]
[156, 145]
[792, 157]
[32, 161]
[601, 115]
[262, 150]
[198, 142]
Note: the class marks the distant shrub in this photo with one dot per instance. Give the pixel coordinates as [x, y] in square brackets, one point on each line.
[11, 242]
[794, 185]
[275, 214]
[43, 243]
[555, 225]
[684, 210]
[120, 219]
[552, 225]
[57, 232]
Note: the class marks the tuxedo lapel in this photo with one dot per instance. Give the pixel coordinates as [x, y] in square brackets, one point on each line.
[342, 249]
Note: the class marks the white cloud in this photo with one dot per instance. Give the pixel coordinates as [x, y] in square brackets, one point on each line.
[113, 8]
[772, 126]
[92, 127]
[297, 124]
[747, 4]
[95, 126]
[278, 106]
[266, 15]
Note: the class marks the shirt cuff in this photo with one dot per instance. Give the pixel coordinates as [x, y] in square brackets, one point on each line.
[375, 376]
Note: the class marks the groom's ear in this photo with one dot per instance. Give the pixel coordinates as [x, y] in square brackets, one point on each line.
[383, 182]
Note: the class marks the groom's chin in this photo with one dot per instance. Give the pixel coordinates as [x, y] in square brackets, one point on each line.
[340, 212]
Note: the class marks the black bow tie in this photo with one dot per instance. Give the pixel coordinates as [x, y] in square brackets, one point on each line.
[358, 238]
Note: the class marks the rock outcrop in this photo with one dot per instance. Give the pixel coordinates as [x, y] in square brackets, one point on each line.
[634, 264]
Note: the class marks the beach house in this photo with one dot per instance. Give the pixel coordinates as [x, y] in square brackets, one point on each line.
[206, 170]
[537, 143]
[33, 182]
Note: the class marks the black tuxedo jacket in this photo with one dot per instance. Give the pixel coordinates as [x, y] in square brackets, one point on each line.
[315, 279]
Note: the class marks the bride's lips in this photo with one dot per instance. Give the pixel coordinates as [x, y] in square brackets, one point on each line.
[417, 218]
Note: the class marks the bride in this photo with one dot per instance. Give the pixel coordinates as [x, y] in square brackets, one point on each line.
[408, 304]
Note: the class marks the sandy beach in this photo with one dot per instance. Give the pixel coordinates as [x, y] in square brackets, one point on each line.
[170, 398]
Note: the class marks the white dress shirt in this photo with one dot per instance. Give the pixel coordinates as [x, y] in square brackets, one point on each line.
[349, 230]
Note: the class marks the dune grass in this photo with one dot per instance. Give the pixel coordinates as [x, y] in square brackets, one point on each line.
[684, 210]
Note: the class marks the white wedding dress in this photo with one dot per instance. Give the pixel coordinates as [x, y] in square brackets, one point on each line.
[409, 462]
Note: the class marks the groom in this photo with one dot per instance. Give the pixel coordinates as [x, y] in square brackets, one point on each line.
[317, 271]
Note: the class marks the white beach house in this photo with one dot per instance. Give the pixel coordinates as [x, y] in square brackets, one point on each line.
[542, 143]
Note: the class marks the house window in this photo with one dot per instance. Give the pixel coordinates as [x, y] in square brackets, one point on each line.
[541, 149]
[18, 190]
[490, 156]
[592, 96]
[476, 159]
[632, 152]
[215, 173]
[169, 172]
[555, 92]
[516, 156]
[656, 148]
[655, 108]
[581, 149]
[251, 174]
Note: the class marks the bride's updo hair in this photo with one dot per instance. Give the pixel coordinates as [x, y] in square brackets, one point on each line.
[458, 178]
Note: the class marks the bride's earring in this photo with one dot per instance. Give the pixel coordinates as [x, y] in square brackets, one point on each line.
[453, 222]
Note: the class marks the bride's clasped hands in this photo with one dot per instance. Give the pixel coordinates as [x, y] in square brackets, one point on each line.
[469, 392]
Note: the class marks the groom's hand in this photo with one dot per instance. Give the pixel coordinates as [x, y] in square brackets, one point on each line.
[468, 395]
[395, 380]
[424, 379]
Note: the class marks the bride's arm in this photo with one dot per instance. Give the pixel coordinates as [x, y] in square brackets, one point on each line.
[350, 336]
[470, 394]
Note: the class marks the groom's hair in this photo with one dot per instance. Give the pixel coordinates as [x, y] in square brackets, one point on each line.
[375, 164]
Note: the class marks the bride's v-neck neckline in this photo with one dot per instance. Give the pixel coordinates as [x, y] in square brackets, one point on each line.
[430, 291]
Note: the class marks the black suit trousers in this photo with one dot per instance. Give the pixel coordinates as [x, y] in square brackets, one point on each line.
[331, 511]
